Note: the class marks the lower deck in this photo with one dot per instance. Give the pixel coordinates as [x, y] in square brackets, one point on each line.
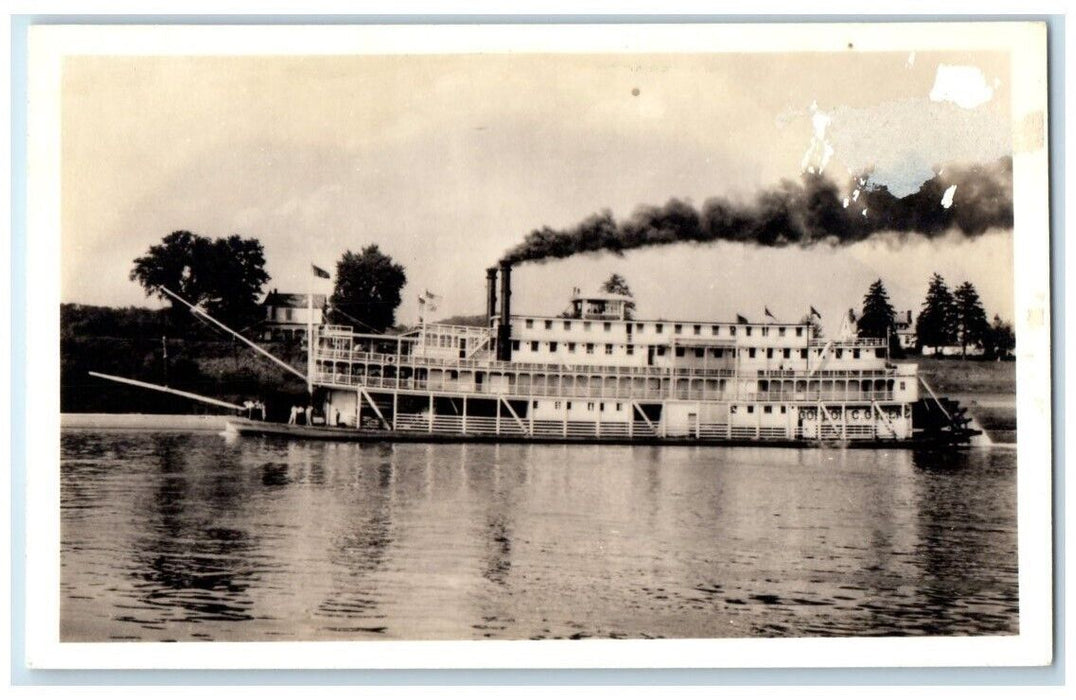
[559, 419]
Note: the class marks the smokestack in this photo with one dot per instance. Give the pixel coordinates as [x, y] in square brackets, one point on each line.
[491, 294]
[504, 330]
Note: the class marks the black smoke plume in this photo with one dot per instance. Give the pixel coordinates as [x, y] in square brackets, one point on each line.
[805, 213]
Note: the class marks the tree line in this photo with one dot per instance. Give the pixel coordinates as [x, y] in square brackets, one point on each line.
[947, 319]
[226, 277]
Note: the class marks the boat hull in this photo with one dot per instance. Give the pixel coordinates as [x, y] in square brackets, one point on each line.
[248, 428]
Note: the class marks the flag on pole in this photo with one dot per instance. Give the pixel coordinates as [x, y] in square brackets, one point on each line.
[318, 272]
[766, 310]
[814, 312]
[741, 319]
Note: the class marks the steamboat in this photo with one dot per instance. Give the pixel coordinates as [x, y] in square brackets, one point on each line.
[595, 374]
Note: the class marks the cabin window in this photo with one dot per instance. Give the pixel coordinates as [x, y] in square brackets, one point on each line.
[640, 327]
[601, 407]
[678, 327]
[714, 330]
[534, 404]
[630, 349]
[679, 352]
[902, 386]
[571, 347]
[765, 330]
[453, 374]
[534, 346]
[700, 352]
[732, 330]
[569, 405]
[783, 410]
[716, 352]
[697, 330]
[750, 352]
[661, 350]
[799, 332]
[855, 354]
[586, 325]
[839, 353]
[750, 409]
[879, 352]
[553, 346]
[590, 405]
[607, 326]
[769, 353]
[787, 353]
[567, 325]
[548, 325]
[749, 330]
[515, 345]
[556, 404]
[608, 349]
[529, 323]
[781, 331]
[767, 409]
[763, 385]
[803, 354]
[590, 348]
[658, 327]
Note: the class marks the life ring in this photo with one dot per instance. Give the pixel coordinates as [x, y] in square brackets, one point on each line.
[390, 360]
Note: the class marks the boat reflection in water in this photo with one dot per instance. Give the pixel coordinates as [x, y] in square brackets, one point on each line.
[188, 537]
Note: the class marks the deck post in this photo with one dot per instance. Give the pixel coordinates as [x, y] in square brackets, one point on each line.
[429, 427]
[358, 408]
[463, 423]
[395, 401]
[497, 422]
[844, 418]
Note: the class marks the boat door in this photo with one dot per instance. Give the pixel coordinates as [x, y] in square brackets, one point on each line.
[649, 355]
[463, 348]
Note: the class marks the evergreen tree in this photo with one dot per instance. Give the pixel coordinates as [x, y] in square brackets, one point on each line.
[971, 325]
[618, 285]
[935, 325]
[878, 317]
[1001, 341]
[367, 289]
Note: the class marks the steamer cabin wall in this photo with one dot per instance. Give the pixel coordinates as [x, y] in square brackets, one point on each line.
[598, 374]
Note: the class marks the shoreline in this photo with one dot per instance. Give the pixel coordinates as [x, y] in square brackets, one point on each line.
[143, 421]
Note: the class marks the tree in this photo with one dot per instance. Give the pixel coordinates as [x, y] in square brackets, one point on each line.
[971, 325]
[934, 326]
[225, 275]
[1000, 339]
[878, 317]
[367, 289]
[618, 285]
[816, 326]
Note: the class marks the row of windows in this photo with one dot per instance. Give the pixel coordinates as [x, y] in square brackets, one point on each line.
[661, 350]
[678, 328]
[590, 405]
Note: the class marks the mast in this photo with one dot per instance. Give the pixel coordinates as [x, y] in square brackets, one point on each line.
[258, 348]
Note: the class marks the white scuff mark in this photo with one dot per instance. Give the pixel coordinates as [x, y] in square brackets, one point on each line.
[964, 86]
[845, 202]
[947, 198]
[911, 59]
[864, 211]
[820, 150]
[855, 195]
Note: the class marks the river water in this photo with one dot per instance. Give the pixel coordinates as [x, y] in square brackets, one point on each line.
[193, 536]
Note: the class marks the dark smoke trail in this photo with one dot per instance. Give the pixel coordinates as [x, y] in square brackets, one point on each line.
[805, 213]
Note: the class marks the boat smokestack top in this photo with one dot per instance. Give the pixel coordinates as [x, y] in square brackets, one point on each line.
[504, 329]
[491, 294]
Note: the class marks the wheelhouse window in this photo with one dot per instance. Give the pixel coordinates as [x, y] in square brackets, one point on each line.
[781, 331]
[658, 327]
[567, 325]
[748, 330]
[799, 332]
[678, 328]
[529, 323]
[607, 326]
[697, 330]
[548, 325]
[714, 330]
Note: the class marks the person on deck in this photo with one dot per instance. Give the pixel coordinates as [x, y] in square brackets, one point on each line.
[309, 415]
[291, 417]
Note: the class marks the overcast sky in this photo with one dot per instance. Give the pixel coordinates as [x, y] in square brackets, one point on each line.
[446, 162]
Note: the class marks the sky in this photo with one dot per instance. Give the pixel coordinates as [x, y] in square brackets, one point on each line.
[448, 161]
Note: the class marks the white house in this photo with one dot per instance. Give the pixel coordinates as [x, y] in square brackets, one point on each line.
[287, 315]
